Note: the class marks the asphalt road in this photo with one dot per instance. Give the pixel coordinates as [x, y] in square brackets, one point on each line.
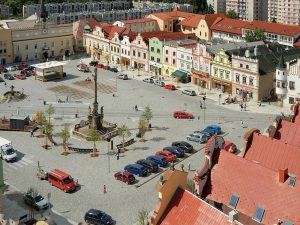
[121, 201]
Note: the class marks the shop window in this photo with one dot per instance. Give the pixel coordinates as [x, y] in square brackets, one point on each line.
[292, 85]
[291, 100]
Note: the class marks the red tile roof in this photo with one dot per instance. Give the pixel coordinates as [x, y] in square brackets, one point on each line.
[195, 20]
[187, 209]
[274, 154]
[175, 13]
[163, 35]
[78, 26]
[229, 25]
[255, 185]
[110, 30]
[144, 20]
[288, 132]
[297, 44]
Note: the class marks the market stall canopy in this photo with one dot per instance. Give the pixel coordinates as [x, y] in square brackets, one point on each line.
[47, 65]
[179, 73]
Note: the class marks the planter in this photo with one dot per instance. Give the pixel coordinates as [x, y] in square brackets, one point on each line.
[142, 140]
[94, 154]
[65, 153]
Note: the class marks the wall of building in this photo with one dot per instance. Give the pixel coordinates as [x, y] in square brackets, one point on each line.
[184, 59]
[6, 49]
[218, 5]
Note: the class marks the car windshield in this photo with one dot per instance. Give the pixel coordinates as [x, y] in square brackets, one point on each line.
[68, 180]
[38, 198]
[10, 151]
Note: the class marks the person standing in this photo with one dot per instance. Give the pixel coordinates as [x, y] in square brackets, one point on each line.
[241, 105]
[245, 106]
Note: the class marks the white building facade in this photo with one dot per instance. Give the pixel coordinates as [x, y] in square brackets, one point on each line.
[185, 58]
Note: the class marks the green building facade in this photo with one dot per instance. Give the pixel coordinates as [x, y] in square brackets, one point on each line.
[156, 56]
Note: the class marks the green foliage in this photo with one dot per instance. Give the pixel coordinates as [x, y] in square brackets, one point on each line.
[49, 111]
[232, 14]
[65, 134]
[210, 9]
[258, 34]
[94, 137]
[123, 132]
[142, 217]
[191, 185]
[142, 125]
[147, 114]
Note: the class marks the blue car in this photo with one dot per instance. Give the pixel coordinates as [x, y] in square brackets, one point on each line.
[95, 216]
[160, 160]
[136, 169]
[175, 151]
[213, 129]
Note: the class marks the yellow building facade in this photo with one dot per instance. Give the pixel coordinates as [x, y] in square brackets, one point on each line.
[6, 49]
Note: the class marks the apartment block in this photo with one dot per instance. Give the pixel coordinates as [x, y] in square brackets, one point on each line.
[218, 5]
[4, 11]
[284, 11]
[149, 4]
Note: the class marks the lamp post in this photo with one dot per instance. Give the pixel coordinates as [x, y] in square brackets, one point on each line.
[204, 107]
[108, 158]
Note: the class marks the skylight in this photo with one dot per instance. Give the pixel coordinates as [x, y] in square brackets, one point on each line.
[259, 213]
[292, 181]
[233, 201]
[287, 222]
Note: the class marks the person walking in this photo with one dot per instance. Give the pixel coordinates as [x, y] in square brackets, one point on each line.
[241, 105]
[104, 189]
[31, 133]
[201, 106]
[136, 108]
[5, 84]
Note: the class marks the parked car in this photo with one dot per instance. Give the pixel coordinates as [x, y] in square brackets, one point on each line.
[123, 76]
[182, 115]
[178, 152]
[1, 79]
[20, 76]
[136, 169]
[93, 63]
[30, 73]
[12, 68]
[3, 69]
[114, 69]
[189, 92]
[167, 155]
[22, 66]
[8, 76]
[148, 80]
[159, 83]
[83, 67]
[229, 146]
[62, 180]
[125, 176]
[30, 68]
[170, 87]
[158, 160]
[198, 137]
[188, 148]
[97, 217]
[149, 165]
[35, 200]
[213, 129]
[100, 65]
[106, 67]
[25, 73]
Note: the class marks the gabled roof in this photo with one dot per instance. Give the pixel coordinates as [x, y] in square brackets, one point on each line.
[110, 30]
[143, 20]
[187, 209]
[274, 154]
[255, 185]
[163, 35]
[175, 13]
[78, 27]
[195, 20]
[229, 25]
[21, 25]
[288, 132]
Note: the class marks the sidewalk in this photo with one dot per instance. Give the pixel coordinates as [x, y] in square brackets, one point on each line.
[212, 95]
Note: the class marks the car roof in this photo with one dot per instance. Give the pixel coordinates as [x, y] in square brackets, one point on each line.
[135, 165]
[95, 211]
[155, 157]
[171, 147]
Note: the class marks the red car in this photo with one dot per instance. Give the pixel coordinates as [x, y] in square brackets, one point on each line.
[229, 146]
[22, 66]
[182, 115]
[125, 176]
[20, 76]
[100, 65]
[170, 87]
[169, 157]
[106, 67]
[31, 73]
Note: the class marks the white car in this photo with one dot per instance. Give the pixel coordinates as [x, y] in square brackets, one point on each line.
[189, 92]
[198, 137]
[12, 68]
[148, 80]
[159, 83]
[123, 76]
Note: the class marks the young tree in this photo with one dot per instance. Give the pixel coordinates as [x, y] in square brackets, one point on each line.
[94, 137]
[123, 132]
[142, 217]
[147, 114]
[210, 9]
[231, 14]
[191, 185]
[46, 129]
[49, 111]
[142, 128]
[65, 135]
[258, 34]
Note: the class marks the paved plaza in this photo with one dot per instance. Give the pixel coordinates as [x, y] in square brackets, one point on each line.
[121, 201]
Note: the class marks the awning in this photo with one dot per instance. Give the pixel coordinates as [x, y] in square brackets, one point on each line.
[179, 73]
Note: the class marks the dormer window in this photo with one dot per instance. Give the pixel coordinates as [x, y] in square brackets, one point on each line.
[292, 181]
[258, 215]
[233, 201]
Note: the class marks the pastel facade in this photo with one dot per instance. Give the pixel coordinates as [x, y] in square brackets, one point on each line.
[155, 55]
[115, 49]
[185, 58]
[169, 58]
[139, 53]
[6, 48]
[139, 25]
[125, 51]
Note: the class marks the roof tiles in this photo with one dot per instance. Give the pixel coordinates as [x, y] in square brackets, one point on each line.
[143, 20]
[288, 132]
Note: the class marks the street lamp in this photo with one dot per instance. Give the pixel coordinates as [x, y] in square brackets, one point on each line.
[204, 98]
[108, 158]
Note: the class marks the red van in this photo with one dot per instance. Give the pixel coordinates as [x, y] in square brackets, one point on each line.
[61, 180]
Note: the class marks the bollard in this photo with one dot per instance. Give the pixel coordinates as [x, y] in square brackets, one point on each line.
[111, 144]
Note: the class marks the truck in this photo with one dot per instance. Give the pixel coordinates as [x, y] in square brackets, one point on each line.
[7, 152]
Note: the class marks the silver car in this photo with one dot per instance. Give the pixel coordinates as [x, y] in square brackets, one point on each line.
[35, 200]
[189, 92]
[159, 83]
[148, 80]
[12, 68]
[198, 137]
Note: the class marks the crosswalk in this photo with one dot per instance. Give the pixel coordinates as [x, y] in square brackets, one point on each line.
[12, 167]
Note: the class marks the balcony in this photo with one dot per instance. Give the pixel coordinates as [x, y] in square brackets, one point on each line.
[280, 77]
[281, 91]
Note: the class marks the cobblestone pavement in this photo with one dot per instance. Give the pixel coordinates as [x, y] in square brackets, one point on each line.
[72, 92]
[104, 88]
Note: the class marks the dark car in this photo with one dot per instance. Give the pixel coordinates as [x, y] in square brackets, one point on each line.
[30, 68]
[188, 148]
[35, 200]
[3, 69]
[125, 176]
[136, 169]
[8, 76]
[93, 63]
[160, 160]
[149, 165]
[95, 216]
[113, 69]
[175, 151]
[1, 79]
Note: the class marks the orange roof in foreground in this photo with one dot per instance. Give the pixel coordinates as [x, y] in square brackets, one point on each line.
[175, 13]
[187, 209]
[255, 185]
[274, 154]
[296, 118]
[288, 132]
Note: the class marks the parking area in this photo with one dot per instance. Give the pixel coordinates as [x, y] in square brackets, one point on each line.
[122, 201]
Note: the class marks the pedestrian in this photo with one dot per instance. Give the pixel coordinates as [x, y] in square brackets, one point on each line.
[241, 105]
[198, 117]
[31, 133]
[136, 108]
[5, 84]
[245, 107]
[201, 105]
[104, 189]
[242, 123]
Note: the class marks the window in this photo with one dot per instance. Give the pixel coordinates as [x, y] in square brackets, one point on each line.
[244, 80]
[259, 213]
[158, 60]
[292, 181]
[174, 61]
[167, 52]
[182, 65]
[251, 81]
[4, 50]
[133, 52]
[166, 26]
[35, 46]
[215, 71]
[62, 43]
[241, 65]
[233, 201]
[145, 56]
[292, 85]
[227, 75]
[247, 66]
[139, 54]
[187, 58]
[182, 56]
[0, 51]
[26, 47]
[166, 59]
[237, 78]
[158, 51]
[174, 53]
[152, 58]
[152, 49]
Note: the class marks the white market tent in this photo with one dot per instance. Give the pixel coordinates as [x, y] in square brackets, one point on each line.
[49, 70]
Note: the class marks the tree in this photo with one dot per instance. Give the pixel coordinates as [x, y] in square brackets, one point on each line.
[147, 114]
[143, 217]
[94, 137]
[65, 135]
[123, 132]
[231, 14]
[258, 34]
[274, 20]
[49, 111]
[142, 127]
[210, 9]
[47, 129]
[191, 185]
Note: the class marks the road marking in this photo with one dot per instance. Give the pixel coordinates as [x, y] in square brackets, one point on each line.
[23, 163]
[27, 160]
[18, 164]
[11, 166]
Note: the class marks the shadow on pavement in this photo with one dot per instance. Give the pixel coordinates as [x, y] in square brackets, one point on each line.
[139, 148]
[157, 139]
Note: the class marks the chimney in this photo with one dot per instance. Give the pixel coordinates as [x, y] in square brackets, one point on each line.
[283, 173]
